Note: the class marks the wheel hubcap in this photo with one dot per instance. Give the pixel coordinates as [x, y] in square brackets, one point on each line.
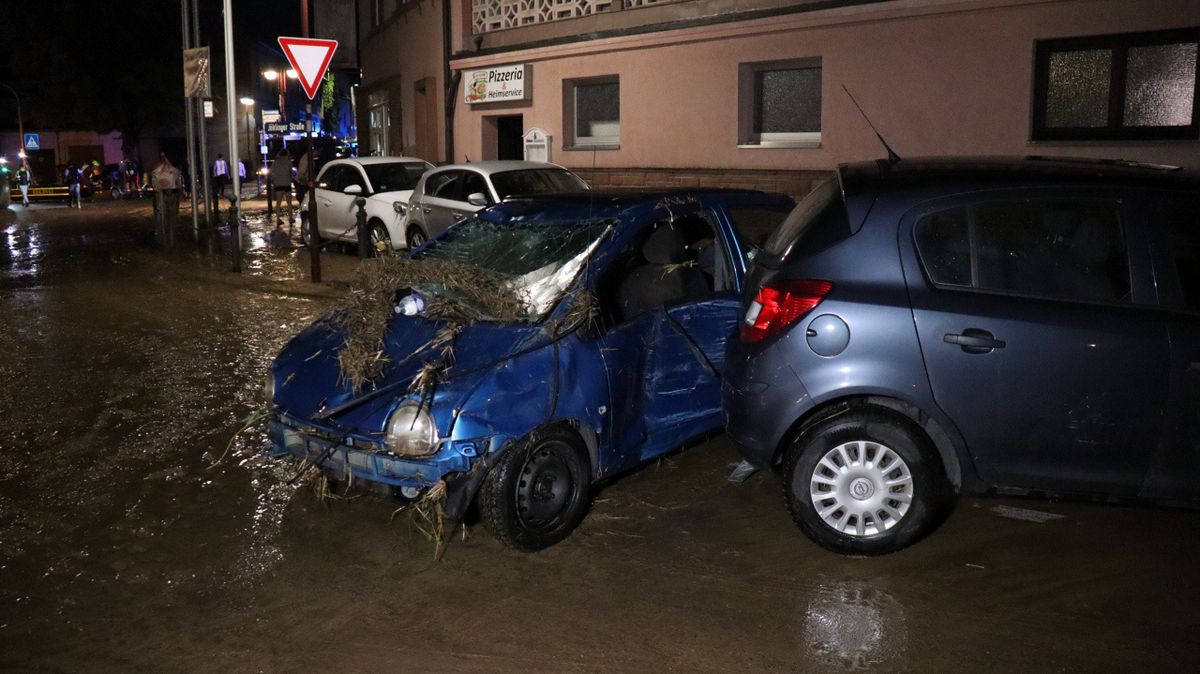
[861, 488]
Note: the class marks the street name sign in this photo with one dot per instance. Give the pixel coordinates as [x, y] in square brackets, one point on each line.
[309, 57]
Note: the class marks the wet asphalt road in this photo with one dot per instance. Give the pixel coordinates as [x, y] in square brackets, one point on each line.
[126, 370]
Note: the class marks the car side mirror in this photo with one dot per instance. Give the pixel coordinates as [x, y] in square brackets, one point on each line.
[477, 199]
[352, 189]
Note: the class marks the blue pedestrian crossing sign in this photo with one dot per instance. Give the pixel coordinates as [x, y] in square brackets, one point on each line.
[31, 142]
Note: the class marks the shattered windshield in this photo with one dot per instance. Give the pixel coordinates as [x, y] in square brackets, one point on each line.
[538, 260]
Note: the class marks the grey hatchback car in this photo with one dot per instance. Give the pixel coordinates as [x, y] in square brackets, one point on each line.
[1015, 326]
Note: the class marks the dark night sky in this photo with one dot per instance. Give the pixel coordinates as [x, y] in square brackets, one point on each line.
[116, 64]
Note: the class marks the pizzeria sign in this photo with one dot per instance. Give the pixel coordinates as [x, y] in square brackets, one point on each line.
[494, 85]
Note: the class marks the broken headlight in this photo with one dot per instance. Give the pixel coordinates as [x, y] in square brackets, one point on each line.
[411, 432]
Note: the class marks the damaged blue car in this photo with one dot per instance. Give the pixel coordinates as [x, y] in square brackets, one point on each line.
[531, 350]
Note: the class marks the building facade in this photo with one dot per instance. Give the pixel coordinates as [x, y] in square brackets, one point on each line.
[757, 93]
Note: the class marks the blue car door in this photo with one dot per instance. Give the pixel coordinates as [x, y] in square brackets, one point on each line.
[674, 306]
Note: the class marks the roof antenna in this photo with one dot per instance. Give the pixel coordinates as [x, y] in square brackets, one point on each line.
[892, 156]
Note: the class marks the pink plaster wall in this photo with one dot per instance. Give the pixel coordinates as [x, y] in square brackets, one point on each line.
[937, 78]
[408, 46]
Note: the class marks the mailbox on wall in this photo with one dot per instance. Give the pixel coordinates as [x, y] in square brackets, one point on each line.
[537, 145]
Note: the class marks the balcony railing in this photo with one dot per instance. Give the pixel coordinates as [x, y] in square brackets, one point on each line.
[492, 15]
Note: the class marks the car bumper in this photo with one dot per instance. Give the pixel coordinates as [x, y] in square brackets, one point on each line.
[348, 459]
[759, 406]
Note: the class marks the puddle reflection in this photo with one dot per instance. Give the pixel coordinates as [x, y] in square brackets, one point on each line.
[857, 626]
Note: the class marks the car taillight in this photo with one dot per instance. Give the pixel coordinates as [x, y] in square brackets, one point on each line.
[780, 304]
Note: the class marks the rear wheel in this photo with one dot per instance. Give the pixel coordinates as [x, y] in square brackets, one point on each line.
[537, 493]
[865, 483]
[416, 237]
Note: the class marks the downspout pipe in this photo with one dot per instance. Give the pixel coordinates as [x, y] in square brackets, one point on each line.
[450, 80]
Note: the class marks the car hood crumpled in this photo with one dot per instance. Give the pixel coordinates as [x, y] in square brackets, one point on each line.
[309, 383]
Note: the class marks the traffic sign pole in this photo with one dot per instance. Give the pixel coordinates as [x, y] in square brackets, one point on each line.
[309, 58]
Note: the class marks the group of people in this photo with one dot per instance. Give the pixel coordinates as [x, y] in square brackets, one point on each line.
[281, 177]
[127, 177]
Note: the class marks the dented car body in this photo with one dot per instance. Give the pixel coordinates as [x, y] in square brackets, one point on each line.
[630, 300]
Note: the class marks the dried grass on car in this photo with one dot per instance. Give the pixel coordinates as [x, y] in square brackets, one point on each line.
[466, 294]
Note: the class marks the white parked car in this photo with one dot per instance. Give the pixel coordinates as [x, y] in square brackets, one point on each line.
[450, 193]
[385, 182]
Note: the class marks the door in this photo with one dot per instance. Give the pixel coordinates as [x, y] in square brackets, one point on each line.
[669, 309]
[1175, 227]
[327, 187]
[425, 93]
[441, 200]
[1034, 321]
[510, 144]
[335, 209]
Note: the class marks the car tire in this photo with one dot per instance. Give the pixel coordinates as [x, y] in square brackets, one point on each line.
[416, 237]
[538, 491]
[867, 482]
[379, 235]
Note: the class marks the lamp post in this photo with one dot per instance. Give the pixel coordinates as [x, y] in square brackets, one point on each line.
[282, 78]
[20, 123]
[249, 103]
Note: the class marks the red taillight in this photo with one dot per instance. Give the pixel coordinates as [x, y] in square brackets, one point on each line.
[780, 304]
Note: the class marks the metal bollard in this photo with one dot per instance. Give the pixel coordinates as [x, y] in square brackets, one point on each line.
[235, 233]
[364, 235]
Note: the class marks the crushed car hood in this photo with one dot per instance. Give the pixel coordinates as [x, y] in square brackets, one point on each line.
[309, 382]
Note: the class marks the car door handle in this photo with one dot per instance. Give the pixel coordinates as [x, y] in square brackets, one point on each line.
[974, 340]
[455, 215]
[426, 210]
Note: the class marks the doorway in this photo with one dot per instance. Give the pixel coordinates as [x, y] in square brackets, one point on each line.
[426, 121]
[509, 141]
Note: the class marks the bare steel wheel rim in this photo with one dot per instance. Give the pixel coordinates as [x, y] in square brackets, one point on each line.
[546, 489]
[861, 488]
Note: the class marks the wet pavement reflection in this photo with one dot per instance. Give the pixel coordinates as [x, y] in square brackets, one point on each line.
[127, 369]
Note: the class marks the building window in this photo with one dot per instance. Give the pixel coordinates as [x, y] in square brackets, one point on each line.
[592, 112]
[779, 103]
[1133, 86]
[377, 118]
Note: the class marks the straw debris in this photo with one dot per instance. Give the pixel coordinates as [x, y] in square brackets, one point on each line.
[456, 293]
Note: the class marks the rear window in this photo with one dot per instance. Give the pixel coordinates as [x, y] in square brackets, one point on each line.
[755, 225]
[396, 176]
[1056, 248]
[818, 221]
[529, 182]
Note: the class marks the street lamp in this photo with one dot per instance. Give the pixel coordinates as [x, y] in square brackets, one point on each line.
[282, 78]
[249, 103]
[20, 123]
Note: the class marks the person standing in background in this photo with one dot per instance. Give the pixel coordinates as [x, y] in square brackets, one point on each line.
[281, 184]
[72, 178]
[220, 176]
[24, 180]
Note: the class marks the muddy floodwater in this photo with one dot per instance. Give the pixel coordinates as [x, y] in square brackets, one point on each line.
[125, 370]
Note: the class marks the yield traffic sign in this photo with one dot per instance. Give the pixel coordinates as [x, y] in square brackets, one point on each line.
[309, 57]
